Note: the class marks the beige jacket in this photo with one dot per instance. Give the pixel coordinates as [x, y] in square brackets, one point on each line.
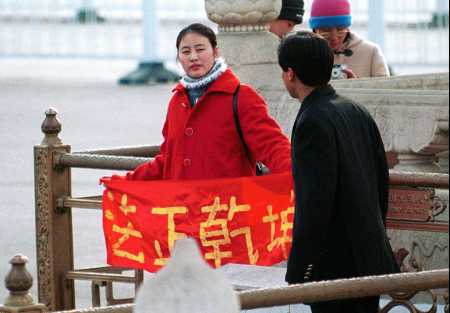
[367, 59]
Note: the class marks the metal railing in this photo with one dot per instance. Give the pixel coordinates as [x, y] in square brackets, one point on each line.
[400, 287]
[409, 283]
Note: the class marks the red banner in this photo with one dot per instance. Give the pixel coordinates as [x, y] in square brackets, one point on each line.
[242, 221]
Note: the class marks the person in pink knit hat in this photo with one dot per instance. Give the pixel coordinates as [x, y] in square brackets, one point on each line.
[355, 56]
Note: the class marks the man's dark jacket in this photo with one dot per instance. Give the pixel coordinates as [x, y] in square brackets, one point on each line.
[342, 185]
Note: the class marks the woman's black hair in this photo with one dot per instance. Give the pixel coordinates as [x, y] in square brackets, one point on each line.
[200, 29]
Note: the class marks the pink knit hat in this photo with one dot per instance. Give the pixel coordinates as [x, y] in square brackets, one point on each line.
[330, 13]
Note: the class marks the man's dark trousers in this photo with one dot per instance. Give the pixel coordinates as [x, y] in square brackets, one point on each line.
[367, 305]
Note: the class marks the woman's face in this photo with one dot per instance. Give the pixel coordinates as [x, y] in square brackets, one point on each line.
[335, 36]
[196, 55]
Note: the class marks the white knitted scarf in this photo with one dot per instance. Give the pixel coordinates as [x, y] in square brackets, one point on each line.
[194, 83]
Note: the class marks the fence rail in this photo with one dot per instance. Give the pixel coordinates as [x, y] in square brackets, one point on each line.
[345, 289]
[98, 161]
[407, 283]
[400, 287]
[136, 151]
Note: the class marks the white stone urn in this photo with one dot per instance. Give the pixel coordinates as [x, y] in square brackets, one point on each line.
[242, 15]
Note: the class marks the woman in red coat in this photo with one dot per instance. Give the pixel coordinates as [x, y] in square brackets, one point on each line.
[201, 140]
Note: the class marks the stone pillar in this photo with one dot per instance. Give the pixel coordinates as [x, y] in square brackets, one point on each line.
[19, 282]
[54, 242]
[244, 40]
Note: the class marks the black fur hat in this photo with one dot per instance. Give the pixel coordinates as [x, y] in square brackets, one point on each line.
[292, 10]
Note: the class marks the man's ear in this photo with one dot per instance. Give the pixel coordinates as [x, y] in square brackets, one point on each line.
[291, 74]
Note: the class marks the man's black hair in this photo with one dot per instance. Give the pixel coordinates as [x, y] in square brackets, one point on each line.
[310, 57]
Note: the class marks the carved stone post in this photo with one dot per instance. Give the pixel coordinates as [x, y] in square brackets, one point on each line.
[54, 244]
[244, 39]
[19, 282]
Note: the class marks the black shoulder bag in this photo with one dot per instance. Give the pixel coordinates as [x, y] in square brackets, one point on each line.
[261, 169]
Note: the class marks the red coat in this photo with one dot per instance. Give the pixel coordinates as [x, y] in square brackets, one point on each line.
[202, 142]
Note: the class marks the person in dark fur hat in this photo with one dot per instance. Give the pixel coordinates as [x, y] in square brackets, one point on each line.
[291, 14]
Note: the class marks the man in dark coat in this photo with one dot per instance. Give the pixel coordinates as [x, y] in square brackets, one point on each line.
[341, 179]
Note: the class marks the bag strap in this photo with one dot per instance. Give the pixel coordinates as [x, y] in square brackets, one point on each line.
[260, 168]
[237, 120]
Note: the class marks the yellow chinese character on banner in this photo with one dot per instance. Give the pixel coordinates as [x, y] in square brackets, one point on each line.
[125, 207]
[127, 233]
[215, 232]
[253, 256]
[285, 227]
[172, 235]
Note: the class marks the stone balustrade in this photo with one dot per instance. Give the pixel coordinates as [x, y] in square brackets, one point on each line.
[439, 81]
[413, 123]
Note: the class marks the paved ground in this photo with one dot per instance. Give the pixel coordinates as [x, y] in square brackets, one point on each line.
[95, 112]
